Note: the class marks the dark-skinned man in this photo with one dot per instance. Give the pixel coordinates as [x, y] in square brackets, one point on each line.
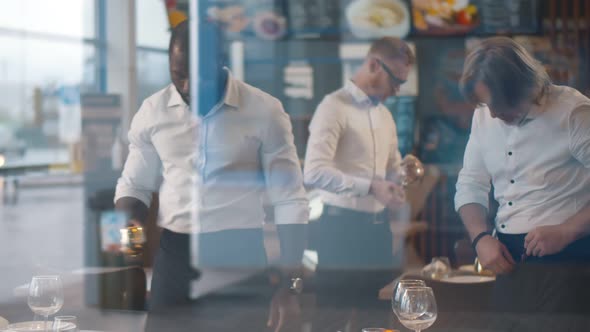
[215, 167]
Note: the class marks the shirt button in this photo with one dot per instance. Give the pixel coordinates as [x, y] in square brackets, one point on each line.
[503, 226]
[512, 181]
[510, 153]
[510, 203]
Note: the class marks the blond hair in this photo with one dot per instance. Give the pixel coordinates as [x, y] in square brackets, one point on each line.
[393, 48]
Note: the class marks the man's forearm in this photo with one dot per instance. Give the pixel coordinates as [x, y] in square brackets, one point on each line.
[293, 239]
[135, 208]
[474, 219]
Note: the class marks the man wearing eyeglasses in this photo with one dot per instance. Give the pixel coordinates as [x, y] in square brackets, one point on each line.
[353, 158]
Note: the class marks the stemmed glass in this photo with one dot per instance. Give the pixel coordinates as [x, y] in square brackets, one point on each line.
[412, 170]
[418, 308]
[398, 292]
[46, 296]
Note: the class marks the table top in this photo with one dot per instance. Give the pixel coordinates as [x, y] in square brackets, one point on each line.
[243, 305]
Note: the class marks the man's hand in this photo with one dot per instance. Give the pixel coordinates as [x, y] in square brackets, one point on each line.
[134, 222]
[547, 240]
[388, 193]
[493, 255]
[285, 311]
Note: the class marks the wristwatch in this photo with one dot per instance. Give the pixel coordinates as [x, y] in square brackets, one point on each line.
[293, 284]
[296, 286]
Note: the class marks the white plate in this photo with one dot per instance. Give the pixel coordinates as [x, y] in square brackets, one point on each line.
[467, 268]
[29, 326]
[33, 326]
[468, 279]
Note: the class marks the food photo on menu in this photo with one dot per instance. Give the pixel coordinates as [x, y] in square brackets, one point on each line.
[261, 19]
[444, 17]
[370, 19]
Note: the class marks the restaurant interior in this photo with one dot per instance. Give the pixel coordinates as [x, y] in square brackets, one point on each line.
[74, 74]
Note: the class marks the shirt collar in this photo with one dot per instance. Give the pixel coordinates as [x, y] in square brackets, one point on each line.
[175, 98]
[231, 96]
[357, 94]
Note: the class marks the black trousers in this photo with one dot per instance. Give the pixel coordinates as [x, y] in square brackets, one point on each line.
[355, 257]
[552, 284]
[173, 273]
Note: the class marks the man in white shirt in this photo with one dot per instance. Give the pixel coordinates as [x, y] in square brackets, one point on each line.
[353, 157]
[531, 140]
[215, 167]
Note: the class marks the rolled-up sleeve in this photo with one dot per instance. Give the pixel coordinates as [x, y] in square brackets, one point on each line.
[579, 134]
[319, 171]
[473, 184]
[282, 170]
[140, 176]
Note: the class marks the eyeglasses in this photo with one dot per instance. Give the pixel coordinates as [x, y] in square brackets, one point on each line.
[395, 81]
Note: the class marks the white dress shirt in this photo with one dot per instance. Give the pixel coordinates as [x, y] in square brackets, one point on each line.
[216, 168]
[352, 141]
[540, 169]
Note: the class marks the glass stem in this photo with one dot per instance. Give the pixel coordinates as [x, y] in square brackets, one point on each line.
[45, 323]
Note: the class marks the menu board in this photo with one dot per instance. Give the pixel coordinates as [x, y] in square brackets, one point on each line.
[509, 16]
[314, 19]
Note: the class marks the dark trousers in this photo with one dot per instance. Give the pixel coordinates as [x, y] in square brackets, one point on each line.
[173, 273]
[552, 284]
[354, 254]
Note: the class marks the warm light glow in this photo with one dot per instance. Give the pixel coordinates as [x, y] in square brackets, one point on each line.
[2, 160]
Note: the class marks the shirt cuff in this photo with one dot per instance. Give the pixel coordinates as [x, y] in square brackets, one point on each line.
[143, 196]
[361, 186]
[292, 213]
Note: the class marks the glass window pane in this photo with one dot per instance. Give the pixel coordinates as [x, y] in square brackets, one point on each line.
[152, 24]
[74, 18]
[152, 72]
[31, 76]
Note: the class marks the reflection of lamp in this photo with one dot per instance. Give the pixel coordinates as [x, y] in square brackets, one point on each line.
[412, 170]
[175, 16]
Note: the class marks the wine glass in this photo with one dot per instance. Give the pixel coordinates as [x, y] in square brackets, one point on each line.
[46, 296]
[412, 170]
[398, 292]
[418, 308]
